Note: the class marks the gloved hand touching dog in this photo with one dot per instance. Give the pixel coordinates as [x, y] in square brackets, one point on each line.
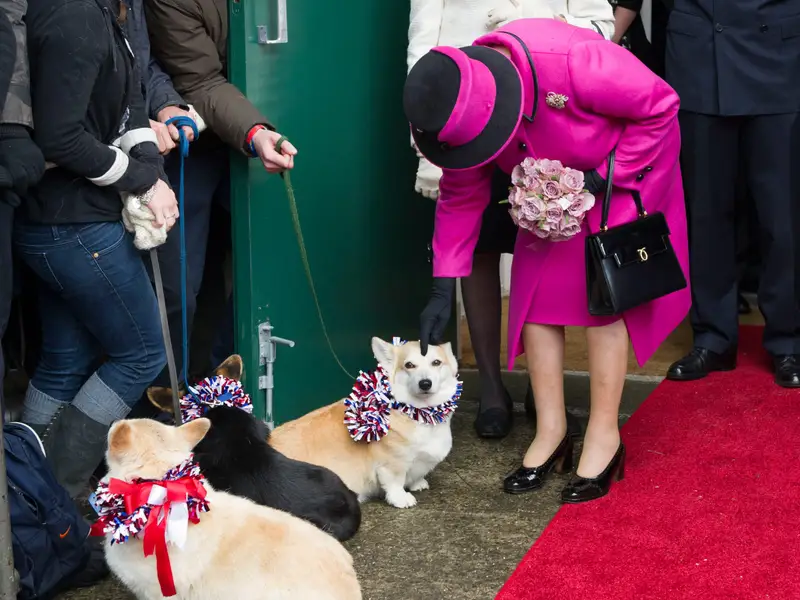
[436, 314]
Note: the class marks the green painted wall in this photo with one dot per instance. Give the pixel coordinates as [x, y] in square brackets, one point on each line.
[335, 89]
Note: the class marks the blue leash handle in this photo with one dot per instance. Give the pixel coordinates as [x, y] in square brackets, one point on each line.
[183, 146]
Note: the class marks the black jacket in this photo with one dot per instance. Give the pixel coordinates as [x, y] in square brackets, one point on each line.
[86, 93]
[735, 57]
[158, 90]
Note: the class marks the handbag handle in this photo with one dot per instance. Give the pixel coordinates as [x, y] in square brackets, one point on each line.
[637, 198]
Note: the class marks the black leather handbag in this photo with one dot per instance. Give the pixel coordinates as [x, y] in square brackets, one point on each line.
[632, 264]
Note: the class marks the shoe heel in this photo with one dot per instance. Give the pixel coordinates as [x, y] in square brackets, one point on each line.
[620, 473]
[566, 461]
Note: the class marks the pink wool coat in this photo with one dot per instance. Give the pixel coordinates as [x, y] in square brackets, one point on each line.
[613, 100]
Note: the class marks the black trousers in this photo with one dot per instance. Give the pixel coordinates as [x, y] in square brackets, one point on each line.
[713, 151]
[6, 278]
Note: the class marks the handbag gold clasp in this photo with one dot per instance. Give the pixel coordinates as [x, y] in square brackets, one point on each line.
[642, 252]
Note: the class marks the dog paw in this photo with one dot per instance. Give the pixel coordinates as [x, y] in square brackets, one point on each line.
[363, 498]
[401, 499]
[420, 485]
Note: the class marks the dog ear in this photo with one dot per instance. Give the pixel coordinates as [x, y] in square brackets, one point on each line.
[161, 398]
[450, 356]
[383, 352]
[194, 431]
[119, 438]
[232, 368]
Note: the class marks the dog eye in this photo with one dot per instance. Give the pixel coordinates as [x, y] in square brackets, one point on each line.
[410, 365]
[437, 363]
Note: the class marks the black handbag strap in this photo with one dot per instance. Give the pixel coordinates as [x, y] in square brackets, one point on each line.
[612, 159]
[637, 198]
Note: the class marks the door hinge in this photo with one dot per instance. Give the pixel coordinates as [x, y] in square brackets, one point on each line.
[267, 352]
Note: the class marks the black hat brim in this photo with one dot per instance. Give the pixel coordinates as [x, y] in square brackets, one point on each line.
[499, 130]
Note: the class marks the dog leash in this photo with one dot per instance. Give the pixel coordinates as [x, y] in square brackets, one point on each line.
[183, 147]
[298, 231]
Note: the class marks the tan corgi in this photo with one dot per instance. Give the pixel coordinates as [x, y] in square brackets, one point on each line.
[398, 462]
[238, 549]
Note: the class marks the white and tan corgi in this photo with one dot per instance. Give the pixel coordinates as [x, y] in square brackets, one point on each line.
[398, 463]
[238, 549]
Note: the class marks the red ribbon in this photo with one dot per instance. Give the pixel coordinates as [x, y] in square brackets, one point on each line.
[155, 530]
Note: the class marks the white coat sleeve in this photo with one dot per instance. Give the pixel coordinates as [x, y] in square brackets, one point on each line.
[424, 25]
[591, 14]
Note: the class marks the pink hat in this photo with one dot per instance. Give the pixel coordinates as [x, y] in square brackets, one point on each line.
[463, 104]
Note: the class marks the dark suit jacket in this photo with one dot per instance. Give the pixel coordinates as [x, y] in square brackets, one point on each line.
[735, 57]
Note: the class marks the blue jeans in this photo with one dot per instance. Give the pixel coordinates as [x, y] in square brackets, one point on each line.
[96, 302]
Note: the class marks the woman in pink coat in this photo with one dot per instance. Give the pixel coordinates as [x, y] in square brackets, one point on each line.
[545, 89]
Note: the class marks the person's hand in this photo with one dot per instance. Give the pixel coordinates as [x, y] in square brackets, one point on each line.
[21, 159]
[167, 113]
[163, 205]
[436, 314]
[428, 176]
[165, 141]
[274, 162]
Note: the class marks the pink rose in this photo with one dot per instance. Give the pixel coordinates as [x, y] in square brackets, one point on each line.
[554, 213]
[550, 168]
[517, 196]
[534, 208]
[569, 227]
[581, 204]
[551, 189]
[530, 168]
[543, 230]
[565, 201]
[571, 181]
[517, 175]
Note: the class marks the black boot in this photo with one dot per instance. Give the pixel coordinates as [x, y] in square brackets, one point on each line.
[75, 445]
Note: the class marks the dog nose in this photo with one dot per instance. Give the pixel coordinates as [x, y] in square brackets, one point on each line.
[425, 385]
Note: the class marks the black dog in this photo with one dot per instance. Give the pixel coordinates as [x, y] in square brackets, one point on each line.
[235, 456]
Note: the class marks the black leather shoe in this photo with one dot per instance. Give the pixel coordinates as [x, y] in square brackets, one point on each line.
[787, 370]
[526, 480]
[699, 363]
[573, 424]
[581, 489]
[495, 423]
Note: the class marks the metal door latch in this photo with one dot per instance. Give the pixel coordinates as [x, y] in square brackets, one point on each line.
[283, 28]
[267, 352]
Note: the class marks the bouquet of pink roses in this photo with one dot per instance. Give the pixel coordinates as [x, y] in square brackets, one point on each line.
[548, 199]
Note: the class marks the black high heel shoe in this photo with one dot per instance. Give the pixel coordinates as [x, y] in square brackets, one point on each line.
[582, 489]
[495, 423]
[527, 479]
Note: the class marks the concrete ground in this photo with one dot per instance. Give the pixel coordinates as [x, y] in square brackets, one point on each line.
[465, 536]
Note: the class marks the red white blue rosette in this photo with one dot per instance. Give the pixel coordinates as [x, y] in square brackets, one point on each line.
[369, 405]
[211, 392]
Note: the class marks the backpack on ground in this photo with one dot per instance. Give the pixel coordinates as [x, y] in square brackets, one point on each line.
[49, 535]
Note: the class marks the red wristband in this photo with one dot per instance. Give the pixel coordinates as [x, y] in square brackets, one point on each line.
[248, 140]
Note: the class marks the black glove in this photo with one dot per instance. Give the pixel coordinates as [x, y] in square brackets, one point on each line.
[594, 182]
[20, 157]
[434, 318]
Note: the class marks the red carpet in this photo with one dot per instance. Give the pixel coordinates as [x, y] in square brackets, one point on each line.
[709, 508]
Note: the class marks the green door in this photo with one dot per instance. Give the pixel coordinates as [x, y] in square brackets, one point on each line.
[335, 90]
